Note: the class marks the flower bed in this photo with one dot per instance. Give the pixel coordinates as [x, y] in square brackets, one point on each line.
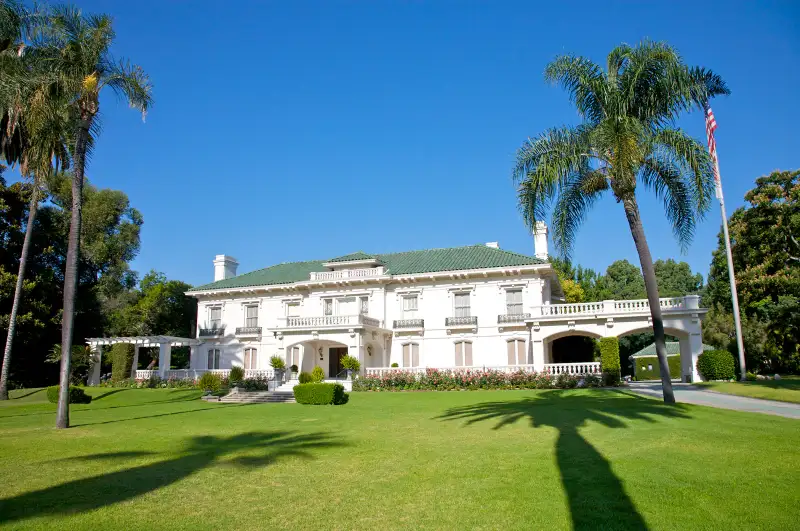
[451, 380]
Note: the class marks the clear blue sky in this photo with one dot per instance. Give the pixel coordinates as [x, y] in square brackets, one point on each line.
[302, 130]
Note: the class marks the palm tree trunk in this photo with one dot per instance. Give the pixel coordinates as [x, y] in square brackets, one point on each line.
[651, 287]
[12, 321]
[71, 271]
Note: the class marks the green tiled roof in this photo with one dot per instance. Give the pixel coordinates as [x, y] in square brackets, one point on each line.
[360, 255]
[673, 349]
[410, 262]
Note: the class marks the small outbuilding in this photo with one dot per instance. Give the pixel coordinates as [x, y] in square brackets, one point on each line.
[645, 362]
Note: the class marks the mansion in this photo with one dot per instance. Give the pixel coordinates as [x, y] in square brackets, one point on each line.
[476, 306]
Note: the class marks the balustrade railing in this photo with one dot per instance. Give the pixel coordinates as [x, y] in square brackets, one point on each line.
[345, 274]
[212, 332]
[612, 306]
[513, 318]
[329, 321]
[409, 323]
[576, 369]
[193, 374]
[461, 321]
[248, 331]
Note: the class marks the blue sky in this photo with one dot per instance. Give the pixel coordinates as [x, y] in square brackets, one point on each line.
[302, 130]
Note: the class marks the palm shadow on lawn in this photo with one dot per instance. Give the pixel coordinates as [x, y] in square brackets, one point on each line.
[596, 496]
[81, 495]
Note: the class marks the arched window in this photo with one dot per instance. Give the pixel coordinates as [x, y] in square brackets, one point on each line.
[516, 352]
[463, 353]
[250, 358]
[411, 355]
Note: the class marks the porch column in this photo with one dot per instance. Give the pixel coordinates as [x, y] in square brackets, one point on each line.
[164, 358]
[97, 357]
[691, 348]
[135, 362]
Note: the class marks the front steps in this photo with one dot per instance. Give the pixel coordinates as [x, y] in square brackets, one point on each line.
[259, 397]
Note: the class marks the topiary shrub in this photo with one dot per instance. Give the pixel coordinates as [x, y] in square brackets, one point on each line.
[351, 363]
[121, 360]
[209, 381]
[76, 395]
[293, 368]
[305, 377]
[317, 375]
[236, 375]
[716, 365]
[277, 363]
[394, 365]
[320, 394]
[609, 360]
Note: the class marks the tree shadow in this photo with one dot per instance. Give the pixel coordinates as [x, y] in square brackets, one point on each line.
[596, 496]
[107, 393]
[202, 452]
[32, 392]
[156, 415]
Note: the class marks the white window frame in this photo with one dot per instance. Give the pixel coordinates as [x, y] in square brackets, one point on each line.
[462, 310]
[461, 351]
[214, 323]
[410, 312]
[327, 306]
[517, 305]
[214, 358]
[409, 361]
[250, 358]
[292, 305]
[520, 357]
[363, 305]
[250, 321]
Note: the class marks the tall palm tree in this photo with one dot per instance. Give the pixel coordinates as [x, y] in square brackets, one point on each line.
[627, 137]
[77, 50]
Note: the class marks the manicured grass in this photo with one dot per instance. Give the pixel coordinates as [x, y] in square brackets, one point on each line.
[784, 390]
[583, 459]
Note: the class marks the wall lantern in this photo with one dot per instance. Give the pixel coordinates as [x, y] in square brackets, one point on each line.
[369, 350]
[320, 353]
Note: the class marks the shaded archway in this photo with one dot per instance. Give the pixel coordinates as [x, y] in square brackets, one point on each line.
[570, 347]
[632, 341]
[324, 353]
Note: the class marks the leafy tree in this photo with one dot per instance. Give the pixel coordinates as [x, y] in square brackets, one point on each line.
[765, 247]
[626, 137]
[622, 281]
[573, 292]
[75, 48]
[675, 279]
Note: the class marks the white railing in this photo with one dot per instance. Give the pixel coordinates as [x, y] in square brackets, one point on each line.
[580, 369]
[327, 321]
[612, 307]
[345, 274]
[194, 374]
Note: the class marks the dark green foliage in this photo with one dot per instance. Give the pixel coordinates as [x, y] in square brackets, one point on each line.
[609, 359]
[349, 362]
[257, 383]
[293, 368]
[209, 381]
[716, 365]
[76, 395]
[236, 375]
[277, 363]
[317, 375]
[320, 394]
[394, 364]
[305, 377]
[121, 359]
[643, 373]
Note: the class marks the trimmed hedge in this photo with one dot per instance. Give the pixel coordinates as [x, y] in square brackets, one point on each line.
[643, 373]
[121, 360]
[716, 365]
[320, 394]
[609, 359]
[76, 395]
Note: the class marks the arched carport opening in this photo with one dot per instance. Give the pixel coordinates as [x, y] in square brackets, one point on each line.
[571, 347]
[632, 341]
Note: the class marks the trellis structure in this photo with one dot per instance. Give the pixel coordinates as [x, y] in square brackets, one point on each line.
[164, 344]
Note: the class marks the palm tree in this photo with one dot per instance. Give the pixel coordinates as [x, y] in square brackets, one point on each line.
[627, 137]
[76, 48]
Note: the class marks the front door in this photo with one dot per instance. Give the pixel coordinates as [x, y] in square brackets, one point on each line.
[335, 355]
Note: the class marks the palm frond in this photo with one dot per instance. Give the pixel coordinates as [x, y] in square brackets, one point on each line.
[131, 82]
[584, 81]
[577, 194]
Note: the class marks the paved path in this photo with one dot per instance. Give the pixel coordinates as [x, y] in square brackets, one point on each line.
[690, 394]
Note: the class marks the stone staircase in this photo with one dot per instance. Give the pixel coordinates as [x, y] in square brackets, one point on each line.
[259, 397]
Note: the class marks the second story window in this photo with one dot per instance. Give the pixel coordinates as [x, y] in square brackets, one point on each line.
[327, 306]
[410, 306]
[293, 309]
[215, 317]
[364, 305]
[514, 302]
[251, 316]
[462, 305]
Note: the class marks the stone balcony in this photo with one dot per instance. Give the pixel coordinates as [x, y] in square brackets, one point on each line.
[612, 308]
[211, 332]
[248, 331]
[347, 274]
[328, 322]
[408, 324]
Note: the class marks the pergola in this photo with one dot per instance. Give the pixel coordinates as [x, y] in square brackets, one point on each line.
[164, 344]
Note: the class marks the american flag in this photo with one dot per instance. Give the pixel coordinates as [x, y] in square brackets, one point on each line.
[711, 126]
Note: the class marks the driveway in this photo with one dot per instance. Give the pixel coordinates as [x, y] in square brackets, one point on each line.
[689, 394]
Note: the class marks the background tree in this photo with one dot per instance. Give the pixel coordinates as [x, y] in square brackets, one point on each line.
[626, 137]
[622, 281]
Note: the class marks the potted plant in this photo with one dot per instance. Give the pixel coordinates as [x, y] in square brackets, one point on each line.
[236, 377]
[278, 365]
[351, 364]
[294, 370]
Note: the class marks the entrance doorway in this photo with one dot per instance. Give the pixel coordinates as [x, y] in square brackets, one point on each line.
[335, 355]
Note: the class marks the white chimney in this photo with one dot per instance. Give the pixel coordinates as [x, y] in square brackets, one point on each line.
[540, 240]
[493, 245]
[224, 267]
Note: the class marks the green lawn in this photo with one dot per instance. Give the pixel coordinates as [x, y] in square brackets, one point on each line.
[784, 390]
[583, 459]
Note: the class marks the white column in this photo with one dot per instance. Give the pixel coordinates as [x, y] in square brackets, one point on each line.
[135, 362]
[164, 357]
[691, 348]
[538, 354]
[97, 358]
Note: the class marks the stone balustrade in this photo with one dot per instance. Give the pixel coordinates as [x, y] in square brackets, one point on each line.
[194, 374]
[348, 274]
[575, 369]
[328, 321]
[689, 302]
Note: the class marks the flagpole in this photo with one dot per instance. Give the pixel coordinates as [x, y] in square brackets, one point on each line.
[737, 321]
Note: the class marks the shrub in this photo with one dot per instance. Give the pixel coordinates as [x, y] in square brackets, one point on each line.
[305, 377]
[751, 377]
[320, 394]
[293, 368]
[351, 363]
[209, 381]
[236, 375]
[716, 365]
[609, 360]
[394, 365]
[566, 381]
[642, 371]
[257, 383]
[317, 375]
[76, 395]
[592, 380]
[277, 363]
[121, 360]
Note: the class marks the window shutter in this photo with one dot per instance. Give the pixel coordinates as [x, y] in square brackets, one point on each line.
[406, 355]
[216, 358]
[459, 355]
[521, 352]
[510, 347]
[415, 354]
[468, 354]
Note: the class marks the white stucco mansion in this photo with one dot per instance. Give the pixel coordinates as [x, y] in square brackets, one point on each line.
[475, 306]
